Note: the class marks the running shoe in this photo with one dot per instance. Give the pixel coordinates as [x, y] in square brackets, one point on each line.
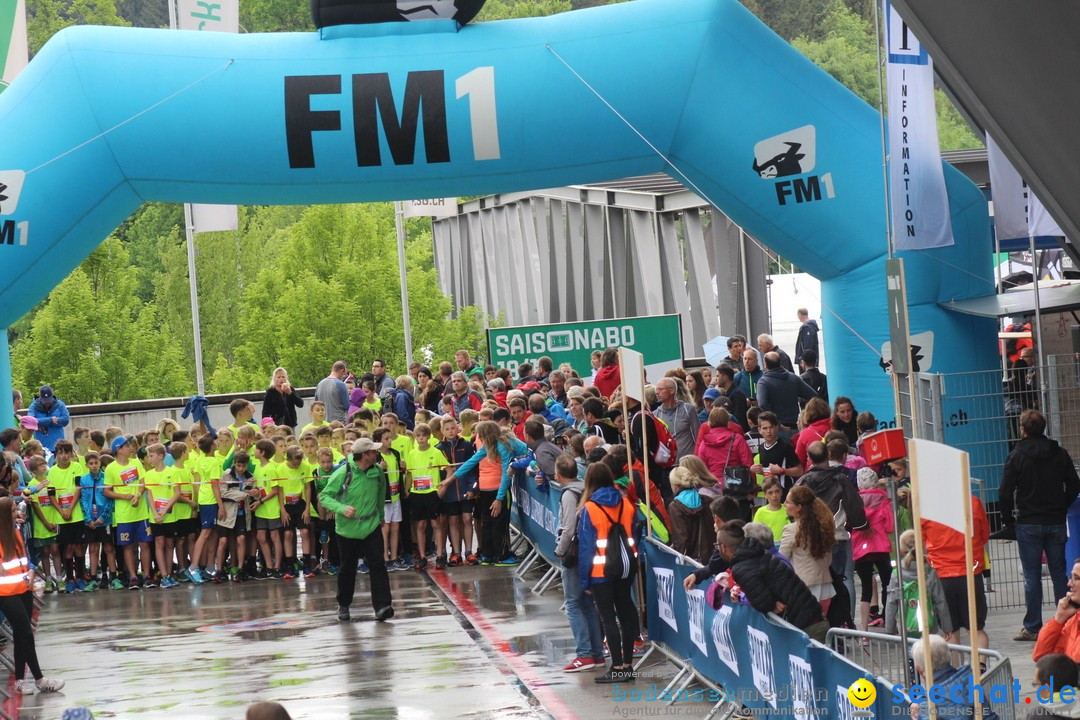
[421, 564]
[133, 584]
[80, 585]
[581, 664]
[184, 576]
[150, 583]
[260, 574]
[91, 586]
[25, 687]
[485, 560]
[472, 559]
[310, 573]
[117, 584]
[69, 587]
[333, 570]
[343, 613]
[49, 685]
[288, 574]
[362, 568]
[440, 562]
[509, 560]
[276, 574]
[195, 576]
[456, 561]
[384, 613]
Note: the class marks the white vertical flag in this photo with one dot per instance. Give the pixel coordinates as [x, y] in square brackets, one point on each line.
[1018, 213]
[920, 206]
[208, 16]
[14, 52]
[939, 472]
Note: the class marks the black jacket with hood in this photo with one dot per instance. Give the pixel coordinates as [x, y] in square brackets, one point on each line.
[765, 578]
[833, 486]
[1040, 481]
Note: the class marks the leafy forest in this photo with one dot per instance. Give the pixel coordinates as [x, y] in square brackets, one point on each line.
[304, 286]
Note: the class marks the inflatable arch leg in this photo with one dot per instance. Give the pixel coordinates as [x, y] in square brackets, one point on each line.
[110, 117]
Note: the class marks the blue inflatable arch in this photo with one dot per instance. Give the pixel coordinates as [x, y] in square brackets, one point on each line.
[105, 119]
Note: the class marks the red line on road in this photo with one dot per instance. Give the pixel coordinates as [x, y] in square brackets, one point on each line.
[552, 702]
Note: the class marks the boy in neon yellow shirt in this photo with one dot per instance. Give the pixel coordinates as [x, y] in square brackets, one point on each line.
[46, 520]
[186, 510]
[318, 418]
[424, 465]
[164, 492]
[297, 517]
[269, 513]
[207, 475]
[71, 530]
[123, 483]
[324, 439]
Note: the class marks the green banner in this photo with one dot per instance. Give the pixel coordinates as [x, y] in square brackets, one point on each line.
[8, 13]
[657, 337]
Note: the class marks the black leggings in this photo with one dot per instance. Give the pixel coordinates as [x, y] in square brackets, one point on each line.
[864, 568]
[18, 609]
[619, 617]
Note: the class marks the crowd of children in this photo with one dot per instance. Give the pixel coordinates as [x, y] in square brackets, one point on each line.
[168, 506]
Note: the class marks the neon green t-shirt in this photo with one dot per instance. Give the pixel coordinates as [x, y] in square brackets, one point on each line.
[66, 481]
[185, 479]
[39, 495]
[210, 472]
[161, 485]
[425, 467]
[775, 519]
[125, 480]
[403, 444]
[292, 481]
[266, 480]
[393, 476]
[311, 427]
[374, 407]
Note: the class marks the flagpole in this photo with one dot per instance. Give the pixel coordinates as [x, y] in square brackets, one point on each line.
[920, 563]
[193, 288]
[969, 559]
[399, 211]
[1035, 273]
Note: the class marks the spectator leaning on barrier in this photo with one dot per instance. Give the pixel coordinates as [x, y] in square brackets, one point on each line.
[52, 417]
[724, 510]
[1040, 481]
[953, 681]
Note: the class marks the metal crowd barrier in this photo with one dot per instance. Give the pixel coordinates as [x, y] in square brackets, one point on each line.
[883, 655]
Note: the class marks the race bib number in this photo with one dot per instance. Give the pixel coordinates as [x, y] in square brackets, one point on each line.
[422, 483]
[129, 476]
[66, 501]
[45, 500]
[395, 488]
[292, 499]
[160, 505]
[185, 495]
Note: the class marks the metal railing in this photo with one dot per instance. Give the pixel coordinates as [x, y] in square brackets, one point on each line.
[884, 656]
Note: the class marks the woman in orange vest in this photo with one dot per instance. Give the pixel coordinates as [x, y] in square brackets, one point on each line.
[602, 505]
[17, 602]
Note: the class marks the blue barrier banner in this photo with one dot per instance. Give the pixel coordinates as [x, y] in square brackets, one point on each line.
[775, 670]
[535, 512]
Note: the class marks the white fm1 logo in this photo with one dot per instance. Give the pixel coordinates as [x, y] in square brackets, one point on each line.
[793, 153]
[11, 185]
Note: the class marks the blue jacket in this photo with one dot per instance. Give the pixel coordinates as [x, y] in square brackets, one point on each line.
[456, 454]
[609, 497]
[950, 678]
[517, 449]
[93, 495]
[49, 432]
[402, 404]
[555, 410]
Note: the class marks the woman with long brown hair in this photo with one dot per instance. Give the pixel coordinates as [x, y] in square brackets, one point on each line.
[17, 602]
[808, 542]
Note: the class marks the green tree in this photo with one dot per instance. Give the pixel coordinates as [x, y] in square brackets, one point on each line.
[508, 9]
[45, 18]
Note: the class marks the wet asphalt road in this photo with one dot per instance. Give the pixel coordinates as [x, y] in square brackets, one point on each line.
[465, 643]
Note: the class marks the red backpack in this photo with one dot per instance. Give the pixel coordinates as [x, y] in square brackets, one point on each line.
[667, 449]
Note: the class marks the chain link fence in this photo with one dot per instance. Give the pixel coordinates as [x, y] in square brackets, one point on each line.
[979, 412]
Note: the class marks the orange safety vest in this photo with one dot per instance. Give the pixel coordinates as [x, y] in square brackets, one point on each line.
[15, 575]
[602, 517]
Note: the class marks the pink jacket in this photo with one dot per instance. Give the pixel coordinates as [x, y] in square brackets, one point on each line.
[879, 525]
[713, 446]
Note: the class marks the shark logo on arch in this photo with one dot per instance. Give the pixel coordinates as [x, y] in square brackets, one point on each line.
[793, 153]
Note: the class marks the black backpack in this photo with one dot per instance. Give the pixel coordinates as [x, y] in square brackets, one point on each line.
[620, 557]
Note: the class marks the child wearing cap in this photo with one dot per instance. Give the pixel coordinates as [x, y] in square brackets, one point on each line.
[123, 484]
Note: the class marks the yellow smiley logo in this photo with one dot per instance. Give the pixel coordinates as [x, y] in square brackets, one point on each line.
[862, 693]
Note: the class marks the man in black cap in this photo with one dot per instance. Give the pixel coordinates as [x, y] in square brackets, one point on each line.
[52, 416]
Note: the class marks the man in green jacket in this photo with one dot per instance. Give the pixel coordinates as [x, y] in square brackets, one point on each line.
[356, 493]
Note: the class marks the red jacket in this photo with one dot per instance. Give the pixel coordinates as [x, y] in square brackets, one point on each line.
[1055, 638]
[945, 546]
[607, 379]
[519, 429]
[810, 434]
[714, 444]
